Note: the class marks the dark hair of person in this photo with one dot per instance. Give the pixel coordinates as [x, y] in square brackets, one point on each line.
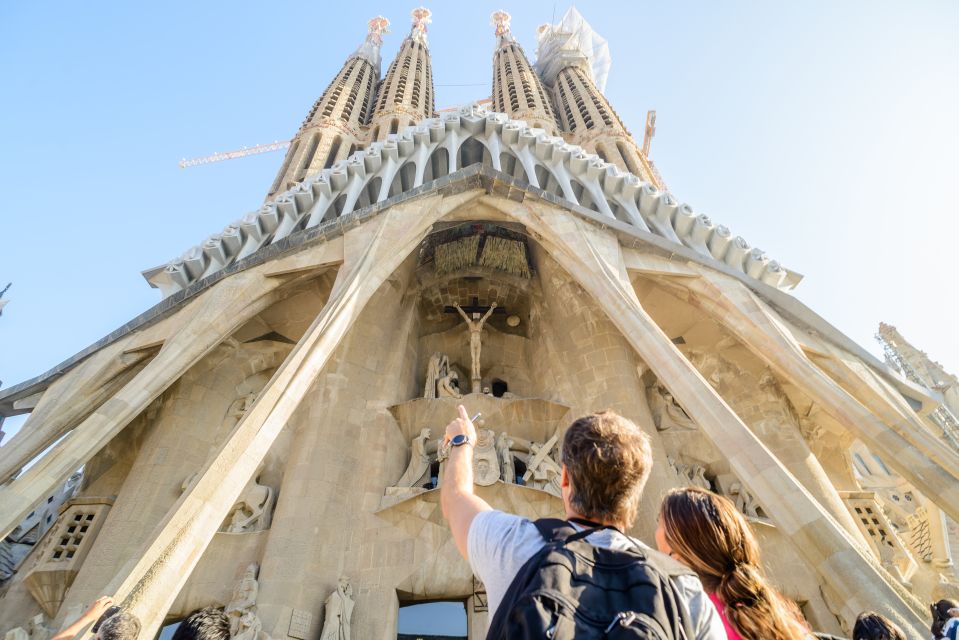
[608, 460]
[940, 615]
[872, 626]
[712, 537]
[120, 626]
[209, 623]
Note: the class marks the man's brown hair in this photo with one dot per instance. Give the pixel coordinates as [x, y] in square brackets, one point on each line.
[608, 459]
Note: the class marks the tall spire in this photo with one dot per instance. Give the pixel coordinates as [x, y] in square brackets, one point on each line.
[574, 60]
[331, 130]
[406, 94]
[517, 90]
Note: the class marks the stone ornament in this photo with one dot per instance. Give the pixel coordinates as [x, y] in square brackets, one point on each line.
[241, 611]
[442, 380]
[253, 510]
[667, 414]
[486, 470]
[475, 327]
[542, 472]
[419, 461]
[339, 612]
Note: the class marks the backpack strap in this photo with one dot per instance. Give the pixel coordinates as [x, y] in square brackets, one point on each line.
[559, 532]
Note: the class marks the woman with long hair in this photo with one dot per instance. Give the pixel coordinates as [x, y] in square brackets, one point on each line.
[708, 534]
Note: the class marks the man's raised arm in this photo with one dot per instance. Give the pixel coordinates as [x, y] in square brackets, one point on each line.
[460, 505]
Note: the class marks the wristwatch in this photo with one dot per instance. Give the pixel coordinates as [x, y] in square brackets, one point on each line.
[459, 440]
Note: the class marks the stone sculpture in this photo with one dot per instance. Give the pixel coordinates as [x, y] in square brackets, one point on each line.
[448, 385]
[475, 326]
[730, 486]
[241, 610]
[419, 461]
[667, 414]
[435, 369]
[542, 472]
[486, 470]
[253, 510]
[339, 612]
[508, 469]
[694, 474]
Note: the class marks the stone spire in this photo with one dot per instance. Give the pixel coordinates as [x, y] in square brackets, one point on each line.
[517, 90]
[331, 130]
[574, 61]
[406, 94]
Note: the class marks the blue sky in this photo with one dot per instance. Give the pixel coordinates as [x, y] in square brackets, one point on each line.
[825, 133]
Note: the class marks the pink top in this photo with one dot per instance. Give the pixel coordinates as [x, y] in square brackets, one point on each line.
[720, 609]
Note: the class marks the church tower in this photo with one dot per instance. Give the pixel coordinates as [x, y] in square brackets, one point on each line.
[567, 62]
[331, 130]
[517, 90]
[406, 95]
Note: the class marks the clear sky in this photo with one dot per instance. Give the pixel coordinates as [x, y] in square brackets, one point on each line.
[825, 133]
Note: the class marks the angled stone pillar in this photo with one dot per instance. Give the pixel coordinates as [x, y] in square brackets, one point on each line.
[151, 580]
[751, 321]
[211, 318]
[595, 260]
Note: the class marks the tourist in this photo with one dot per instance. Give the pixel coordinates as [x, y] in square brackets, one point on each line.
[872, 626]
[945, 619]
[109, 623]
[707, 533]
[606, 461]
[204, 624]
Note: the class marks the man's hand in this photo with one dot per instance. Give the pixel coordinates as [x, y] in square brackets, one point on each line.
[463, 425]
[460, 505]
[99, 607]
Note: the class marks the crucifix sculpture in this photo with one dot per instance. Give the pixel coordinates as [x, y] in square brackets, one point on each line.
[475, 326]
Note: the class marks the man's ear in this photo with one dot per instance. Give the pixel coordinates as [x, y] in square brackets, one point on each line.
[564, 478]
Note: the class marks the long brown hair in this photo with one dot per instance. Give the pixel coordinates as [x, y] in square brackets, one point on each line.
[712, 537]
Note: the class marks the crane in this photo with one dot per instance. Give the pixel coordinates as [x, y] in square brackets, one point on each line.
[217, 156]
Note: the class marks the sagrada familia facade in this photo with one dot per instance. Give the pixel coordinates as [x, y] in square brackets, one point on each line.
[265, 438]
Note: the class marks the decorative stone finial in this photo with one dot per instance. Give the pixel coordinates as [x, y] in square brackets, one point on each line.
[500, 19]
[377, 27]
[370, 49]
[421, 17]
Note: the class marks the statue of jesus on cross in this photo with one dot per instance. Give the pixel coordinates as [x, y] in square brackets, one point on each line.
[475, 326]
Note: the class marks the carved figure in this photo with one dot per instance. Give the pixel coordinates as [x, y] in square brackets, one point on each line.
[435, 369]
[542, 472]
[241, 611]
[730, 486]
[36, 628]
[448, 385]
[693, 473]
[252, 511]
[419, 461]
[503, 444]
[485, 459]
[667, 413]
[339, 612]
[475, 326]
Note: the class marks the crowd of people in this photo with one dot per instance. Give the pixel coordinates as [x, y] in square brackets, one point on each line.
[581, 575]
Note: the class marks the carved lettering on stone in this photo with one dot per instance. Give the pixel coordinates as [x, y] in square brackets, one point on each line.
[300, 623]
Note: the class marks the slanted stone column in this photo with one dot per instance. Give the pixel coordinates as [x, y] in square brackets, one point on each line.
[150, 581]
[595, 260]
[750, 320]
[211, 318]
[762, 405]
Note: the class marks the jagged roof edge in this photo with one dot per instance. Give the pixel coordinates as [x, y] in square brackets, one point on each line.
[495, 183]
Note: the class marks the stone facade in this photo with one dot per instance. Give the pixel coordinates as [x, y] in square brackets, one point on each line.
[265, 439]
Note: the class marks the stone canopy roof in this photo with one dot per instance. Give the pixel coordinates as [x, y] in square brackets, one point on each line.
[439, 146]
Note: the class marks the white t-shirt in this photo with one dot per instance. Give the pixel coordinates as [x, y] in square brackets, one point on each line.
[499, 544]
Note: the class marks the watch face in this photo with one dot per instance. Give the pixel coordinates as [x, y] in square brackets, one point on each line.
[458, 439]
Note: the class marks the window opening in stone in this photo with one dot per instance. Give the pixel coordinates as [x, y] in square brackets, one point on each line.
[334, 149]
[499, 387]
[394, 125]
[444, 619]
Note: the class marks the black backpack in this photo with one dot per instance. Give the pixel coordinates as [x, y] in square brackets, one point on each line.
[572, 589]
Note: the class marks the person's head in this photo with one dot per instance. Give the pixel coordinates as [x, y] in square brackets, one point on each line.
[122, 625]
[872, 626]
[940, 614]
[606, 461]
[707, 533]
[204, 624]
